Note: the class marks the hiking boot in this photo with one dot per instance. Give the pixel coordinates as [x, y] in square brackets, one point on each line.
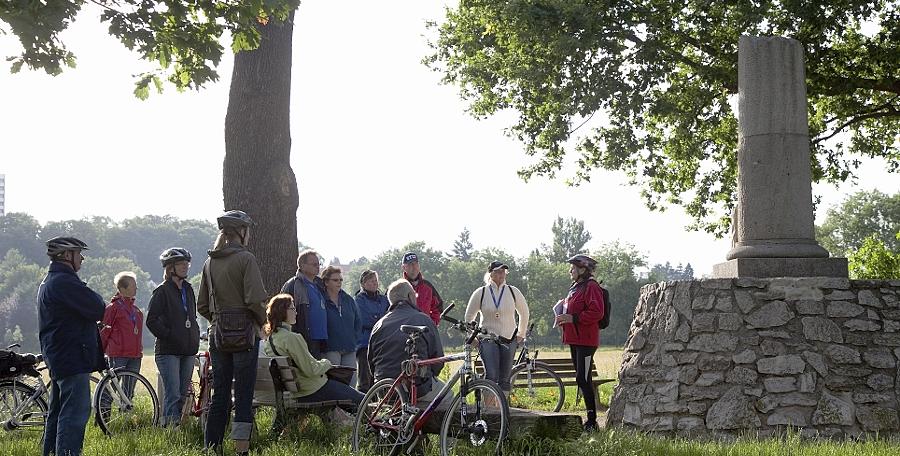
[590, 426]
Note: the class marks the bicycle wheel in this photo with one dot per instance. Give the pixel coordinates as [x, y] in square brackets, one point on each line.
[379, 420]
[476, 423]
[538, 388]
[125, 402]
[21, 406]
[204, 401]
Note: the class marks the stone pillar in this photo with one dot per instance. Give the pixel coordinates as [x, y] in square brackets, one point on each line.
[773, 221]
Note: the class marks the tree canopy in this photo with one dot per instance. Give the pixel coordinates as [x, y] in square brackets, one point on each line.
[181, 36]
[861, 215]
[664, 73]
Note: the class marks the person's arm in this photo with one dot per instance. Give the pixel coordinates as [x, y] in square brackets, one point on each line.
[593, 305]
[522, 310]
[437, 305]
[435, 349]
[255, 291]
[109, 316]
[156, 313]
[474, 306]
[203, 294]
[80, 299]
[292, 344]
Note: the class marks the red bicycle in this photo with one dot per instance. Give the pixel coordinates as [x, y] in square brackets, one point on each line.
[200, 391]
[477, 419]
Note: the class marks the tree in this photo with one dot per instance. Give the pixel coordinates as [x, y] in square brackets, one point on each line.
[663, 73]
[616, 268]
[569, 238]
[22, 232]
[874, 260]
[257, 176]
[860, 216]
[181, 37]
[462, 247]
[19, 280]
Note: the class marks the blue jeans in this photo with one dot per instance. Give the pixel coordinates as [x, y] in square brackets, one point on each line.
[240, 369]
[129, 364]
[343, 359]
[334, 390]
[497, 360]
[70, 408]
[175, 371]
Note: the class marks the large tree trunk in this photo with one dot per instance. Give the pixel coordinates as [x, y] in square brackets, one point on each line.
[258, 178]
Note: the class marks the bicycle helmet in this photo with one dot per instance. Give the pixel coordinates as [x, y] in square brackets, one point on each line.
[61, 244]
[234, 219]
[583, 261]
[174, 255]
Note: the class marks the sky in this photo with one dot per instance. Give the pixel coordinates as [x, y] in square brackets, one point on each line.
[373, 132]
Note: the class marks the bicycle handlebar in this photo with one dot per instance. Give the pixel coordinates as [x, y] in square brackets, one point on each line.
[474, 329]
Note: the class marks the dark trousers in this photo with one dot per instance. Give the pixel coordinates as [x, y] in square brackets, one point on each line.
[362, 368]
[334, 390]
[70, 408]
[582, 357]
[238, 369]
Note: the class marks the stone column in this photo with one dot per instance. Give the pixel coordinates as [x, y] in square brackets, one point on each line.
[774, 226]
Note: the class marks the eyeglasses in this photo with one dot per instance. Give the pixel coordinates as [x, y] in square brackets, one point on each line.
[292, 307]
[316, 264]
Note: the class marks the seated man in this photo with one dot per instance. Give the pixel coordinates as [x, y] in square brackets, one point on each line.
[313, 384]
[386, 346]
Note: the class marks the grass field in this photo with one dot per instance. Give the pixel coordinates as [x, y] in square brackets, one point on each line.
[322, 439]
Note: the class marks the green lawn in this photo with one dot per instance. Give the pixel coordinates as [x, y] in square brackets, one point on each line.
[325, 440]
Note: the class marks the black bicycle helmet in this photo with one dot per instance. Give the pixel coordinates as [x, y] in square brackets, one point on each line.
[583, 261]
[173, 255]
[234, 219]
[61, 244]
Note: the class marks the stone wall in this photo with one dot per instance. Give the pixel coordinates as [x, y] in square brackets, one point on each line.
[732, 356]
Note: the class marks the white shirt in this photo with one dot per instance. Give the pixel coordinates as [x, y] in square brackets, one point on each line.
[505, 324]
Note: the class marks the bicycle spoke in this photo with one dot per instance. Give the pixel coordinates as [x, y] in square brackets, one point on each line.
[475, 423]
[379, 420]
[125, 403]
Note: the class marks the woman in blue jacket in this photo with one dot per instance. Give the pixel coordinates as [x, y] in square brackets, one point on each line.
[343, 321]
[372, 305]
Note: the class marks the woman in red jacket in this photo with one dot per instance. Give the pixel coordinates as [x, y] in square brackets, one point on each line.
[578, 317]
[122, 330]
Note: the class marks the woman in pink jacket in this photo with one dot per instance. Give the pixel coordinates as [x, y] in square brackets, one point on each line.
[582, 310]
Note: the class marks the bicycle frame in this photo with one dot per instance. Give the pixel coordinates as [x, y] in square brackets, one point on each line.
[203, 385]
[40, 388]
[407, 380]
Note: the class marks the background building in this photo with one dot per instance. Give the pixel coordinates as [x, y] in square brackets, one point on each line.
[2, 194]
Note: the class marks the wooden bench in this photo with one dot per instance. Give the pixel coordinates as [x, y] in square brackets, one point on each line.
[275, 382]
[566, 371]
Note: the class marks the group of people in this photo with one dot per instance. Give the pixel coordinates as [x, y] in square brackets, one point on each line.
[312, 320]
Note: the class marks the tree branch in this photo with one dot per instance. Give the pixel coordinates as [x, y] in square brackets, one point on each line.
[872, 115]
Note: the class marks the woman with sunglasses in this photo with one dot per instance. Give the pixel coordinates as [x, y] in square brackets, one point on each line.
[343, 321]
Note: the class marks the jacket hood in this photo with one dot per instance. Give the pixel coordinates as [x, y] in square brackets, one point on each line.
[228, 249]
[118, 297]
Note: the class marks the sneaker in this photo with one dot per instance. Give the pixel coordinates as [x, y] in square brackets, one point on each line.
[590, 426]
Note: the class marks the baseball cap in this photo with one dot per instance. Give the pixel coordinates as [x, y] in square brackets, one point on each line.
[497, 265]
[410, 257]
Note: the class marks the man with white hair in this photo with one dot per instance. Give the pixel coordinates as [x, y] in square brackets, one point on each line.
[385, 345]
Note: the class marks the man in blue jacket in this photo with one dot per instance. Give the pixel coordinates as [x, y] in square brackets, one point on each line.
[68, 312]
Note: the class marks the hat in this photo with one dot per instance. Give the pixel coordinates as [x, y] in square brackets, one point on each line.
[497, 265]
[410, 257]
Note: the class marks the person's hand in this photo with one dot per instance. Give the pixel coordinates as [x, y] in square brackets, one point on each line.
[520, 339]
[563, 319]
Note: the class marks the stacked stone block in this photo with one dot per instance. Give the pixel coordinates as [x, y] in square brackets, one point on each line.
[737, 356]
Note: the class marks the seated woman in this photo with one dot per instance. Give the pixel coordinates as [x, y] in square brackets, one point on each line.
[313, 385]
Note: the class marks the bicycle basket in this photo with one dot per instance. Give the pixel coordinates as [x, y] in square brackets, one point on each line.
[13, 364]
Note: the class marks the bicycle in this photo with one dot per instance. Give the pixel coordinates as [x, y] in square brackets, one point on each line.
[124, 400]
[200, 392]
[534, 384]
[23, 404]
[389, 419]
[26, 403]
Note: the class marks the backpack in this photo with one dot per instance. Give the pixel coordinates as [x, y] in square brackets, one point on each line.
[13, 364]
[604, 322]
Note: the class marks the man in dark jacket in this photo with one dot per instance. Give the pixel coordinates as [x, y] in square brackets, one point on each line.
[68, 312]
[386, 352]
[307, 289]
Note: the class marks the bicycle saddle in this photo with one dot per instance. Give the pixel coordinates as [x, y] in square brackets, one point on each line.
[411, 329]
